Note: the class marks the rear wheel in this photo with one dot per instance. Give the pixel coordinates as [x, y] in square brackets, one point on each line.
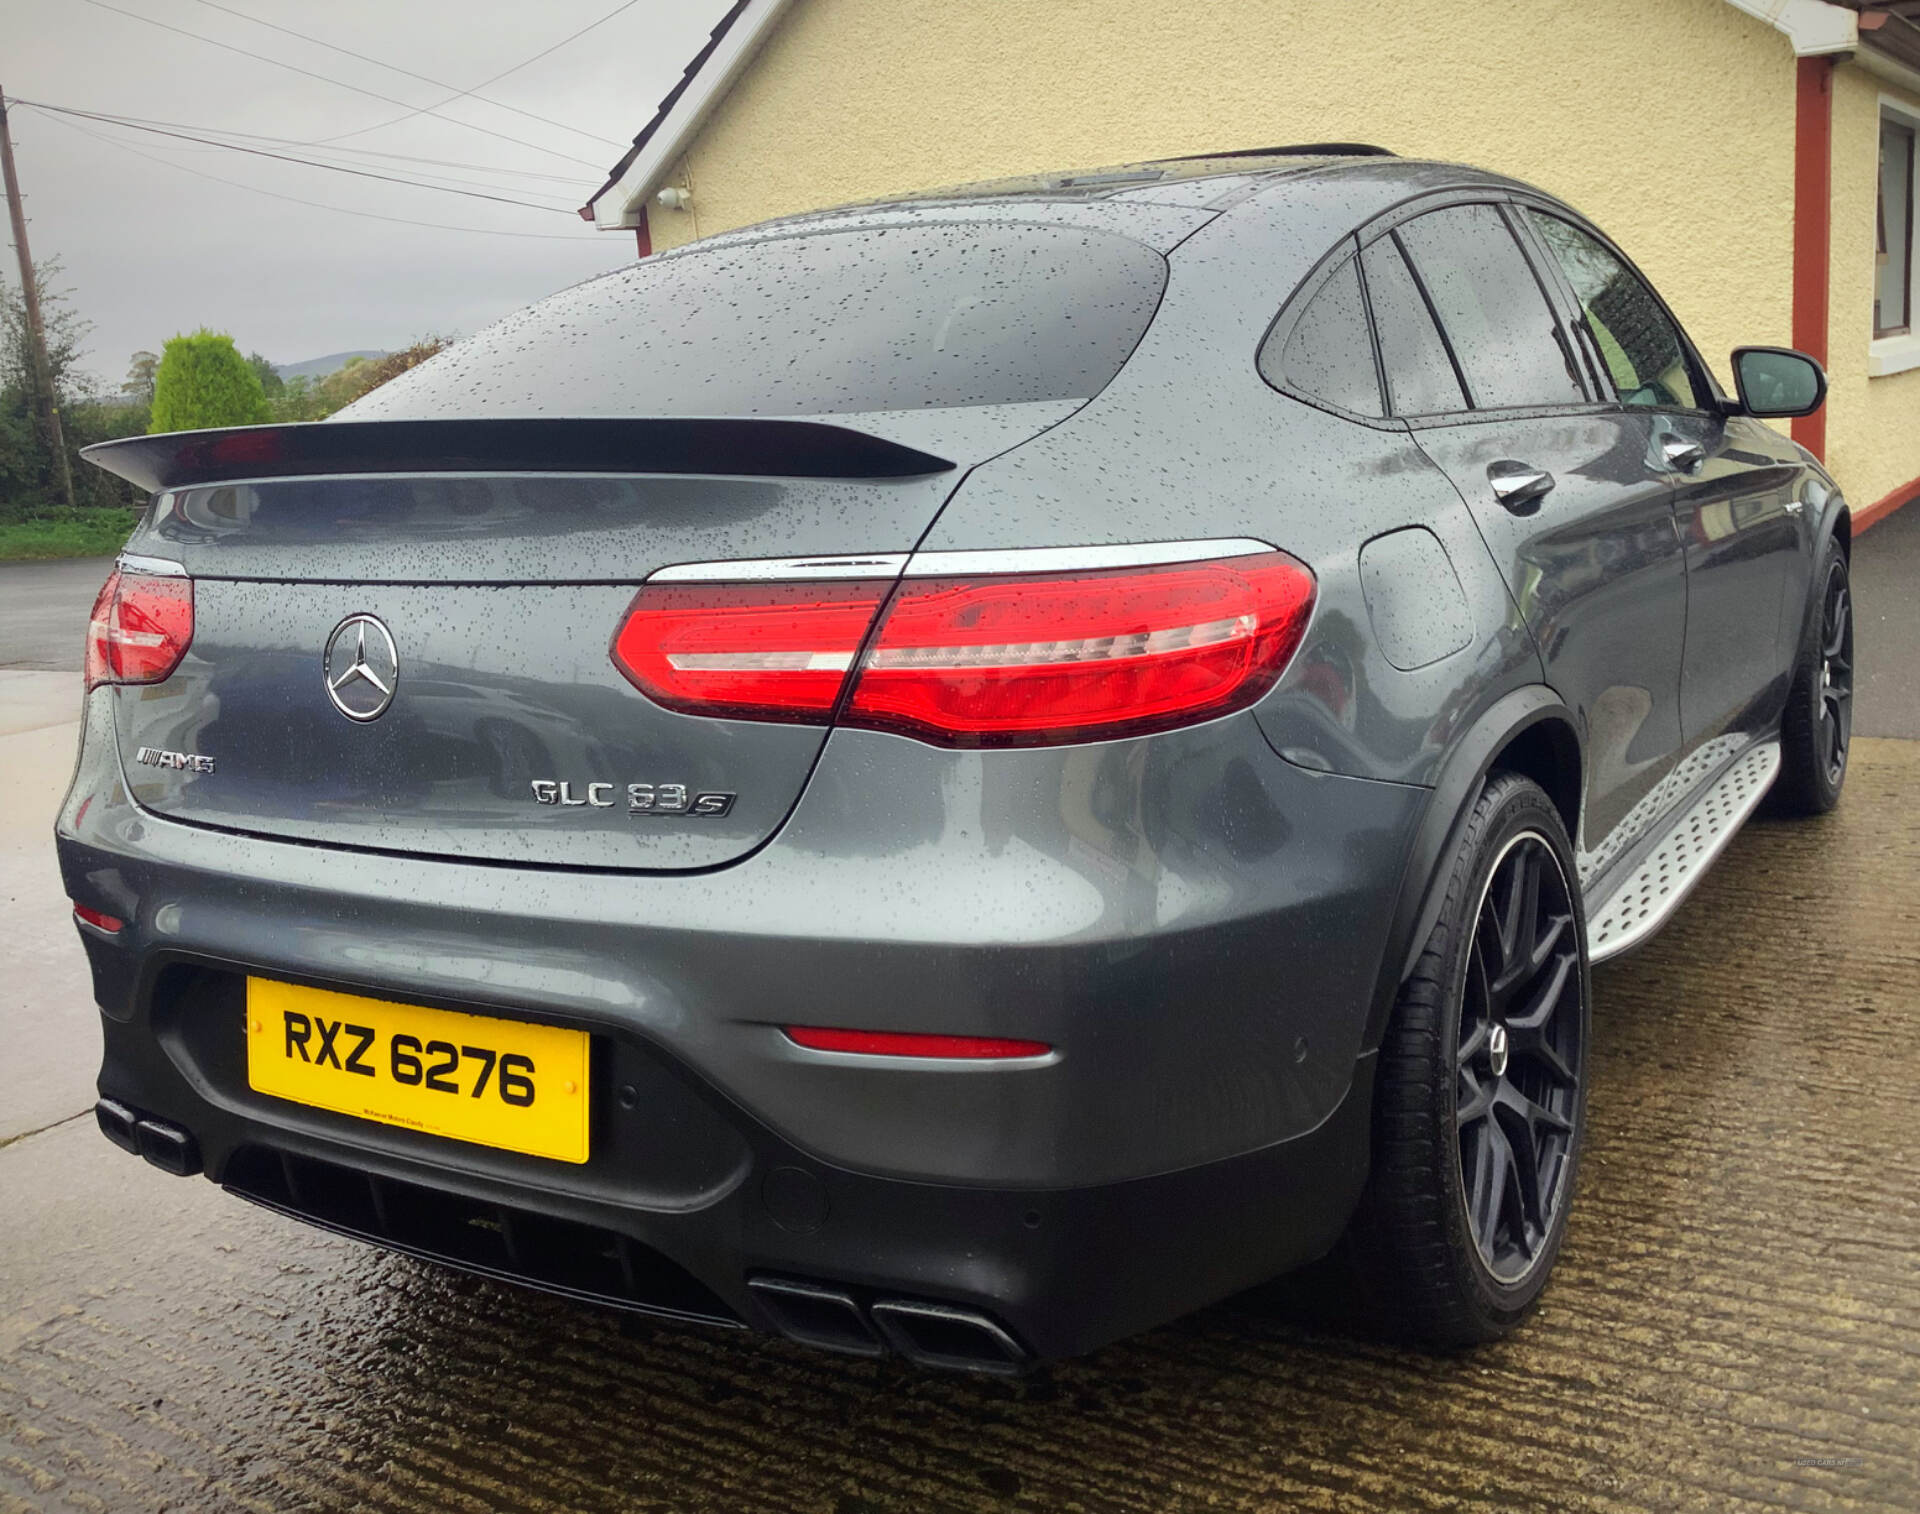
[1817, 728]
[1481, 1091]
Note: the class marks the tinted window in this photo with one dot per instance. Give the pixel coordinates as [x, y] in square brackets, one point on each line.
[830, 322]
[1491, 308]
[1893, 232]
[1329, 354]
[1640, 346]
[1420, 377]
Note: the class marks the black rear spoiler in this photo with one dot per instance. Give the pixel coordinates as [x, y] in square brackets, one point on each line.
[760, 448]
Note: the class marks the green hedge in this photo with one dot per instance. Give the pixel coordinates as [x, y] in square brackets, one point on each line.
[96, 531]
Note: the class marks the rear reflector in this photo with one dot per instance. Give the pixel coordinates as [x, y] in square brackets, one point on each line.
[141, 626]
[1008, 660]
[893, 1043]
[99, 921]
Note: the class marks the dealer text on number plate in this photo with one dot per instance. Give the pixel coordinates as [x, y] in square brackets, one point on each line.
[504, 1083]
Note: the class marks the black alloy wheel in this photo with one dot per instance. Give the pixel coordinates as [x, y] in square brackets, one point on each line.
[1518, 1057]
[1816, 729]
[1836, 671]
[1479, 1099]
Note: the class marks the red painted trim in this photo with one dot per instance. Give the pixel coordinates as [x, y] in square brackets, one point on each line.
[1812, 226]
[1884, 506]
[643, 236]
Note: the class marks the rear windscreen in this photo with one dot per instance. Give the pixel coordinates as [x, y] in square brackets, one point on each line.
[832, 322]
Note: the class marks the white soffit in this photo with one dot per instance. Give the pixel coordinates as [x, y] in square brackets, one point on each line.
[1812, 26]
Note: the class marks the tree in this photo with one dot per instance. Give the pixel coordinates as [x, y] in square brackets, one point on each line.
[139, 380]
[270, 381]
[362, 376]
[203, 381]
[27, 475]
[66, 332]
[303, 399]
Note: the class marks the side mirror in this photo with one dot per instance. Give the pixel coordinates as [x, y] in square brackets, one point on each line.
[1777, 381]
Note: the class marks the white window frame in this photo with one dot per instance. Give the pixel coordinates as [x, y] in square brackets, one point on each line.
[1897, 354]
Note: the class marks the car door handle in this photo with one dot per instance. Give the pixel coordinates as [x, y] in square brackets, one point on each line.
[1684, 455]
[1519, 486]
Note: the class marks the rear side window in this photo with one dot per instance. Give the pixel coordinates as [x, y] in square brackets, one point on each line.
[1495, 316]
[1640, 346]
[904, 317]
[1328, 354]
[1420, 376]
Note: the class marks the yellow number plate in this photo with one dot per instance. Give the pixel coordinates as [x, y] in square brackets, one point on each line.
[472, 1078]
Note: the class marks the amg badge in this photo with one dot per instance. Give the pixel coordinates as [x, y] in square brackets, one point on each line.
[642, 798]
[189, 762]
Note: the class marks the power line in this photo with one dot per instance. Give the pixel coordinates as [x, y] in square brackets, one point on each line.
[523, 63]
[423, 78]
[260, 152]
[255, 136]
[365, 215]
[428, 110]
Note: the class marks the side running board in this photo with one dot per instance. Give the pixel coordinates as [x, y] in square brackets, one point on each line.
[1647, 898]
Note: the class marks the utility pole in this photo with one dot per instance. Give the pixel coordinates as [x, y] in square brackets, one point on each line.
[43, 397]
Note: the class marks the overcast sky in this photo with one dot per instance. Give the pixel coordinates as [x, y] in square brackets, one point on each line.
[151, 249]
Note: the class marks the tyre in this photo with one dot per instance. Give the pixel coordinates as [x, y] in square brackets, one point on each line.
[1817, 728]
[1480, 1096]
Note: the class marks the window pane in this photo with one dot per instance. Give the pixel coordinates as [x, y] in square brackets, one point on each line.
[1491, 307]
[1893, 259]
[1329, 354]
[819, 324]
[1420, 378]
[1640, 346]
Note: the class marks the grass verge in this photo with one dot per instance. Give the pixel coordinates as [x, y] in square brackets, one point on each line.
[67, 533]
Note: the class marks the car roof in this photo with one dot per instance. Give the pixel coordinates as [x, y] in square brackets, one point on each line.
[1159, 202]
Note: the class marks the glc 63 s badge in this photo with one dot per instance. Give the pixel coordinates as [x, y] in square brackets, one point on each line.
[642, 798]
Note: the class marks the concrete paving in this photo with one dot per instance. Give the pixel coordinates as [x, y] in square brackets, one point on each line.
[1732, 1326]
[1886, 593]
[43, 611]
[48, 1024]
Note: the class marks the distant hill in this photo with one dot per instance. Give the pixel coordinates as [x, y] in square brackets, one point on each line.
[320, 367]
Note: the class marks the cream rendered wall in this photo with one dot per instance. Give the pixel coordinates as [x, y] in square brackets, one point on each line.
[1873, 424]
[1670, 122]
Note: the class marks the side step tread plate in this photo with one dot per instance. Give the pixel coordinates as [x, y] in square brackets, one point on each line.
[1650, 894]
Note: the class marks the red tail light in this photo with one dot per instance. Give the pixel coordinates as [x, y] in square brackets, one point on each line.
[893, 1043]
[141, 627]
[1035, 660]
[754, 651]
[1006, 660]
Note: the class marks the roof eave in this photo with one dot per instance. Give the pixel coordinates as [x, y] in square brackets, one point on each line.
[621, 203]
[1814, 27]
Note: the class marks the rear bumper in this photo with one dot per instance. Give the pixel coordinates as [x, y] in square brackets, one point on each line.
[1194, 925]
[1060, 1271]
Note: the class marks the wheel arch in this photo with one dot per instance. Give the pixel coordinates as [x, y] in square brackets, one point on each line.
[1840, 528]
[1529, 731]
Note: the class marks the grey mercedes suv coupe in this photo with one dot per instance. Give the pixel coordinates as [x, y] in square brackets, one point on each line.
[960, 776]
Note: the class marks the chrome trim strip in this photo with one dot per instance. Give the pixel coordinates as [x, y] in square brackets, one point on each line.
[1611, 936]
[160, 567]
[989, 560]
[778, 569]
[1074, 559]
